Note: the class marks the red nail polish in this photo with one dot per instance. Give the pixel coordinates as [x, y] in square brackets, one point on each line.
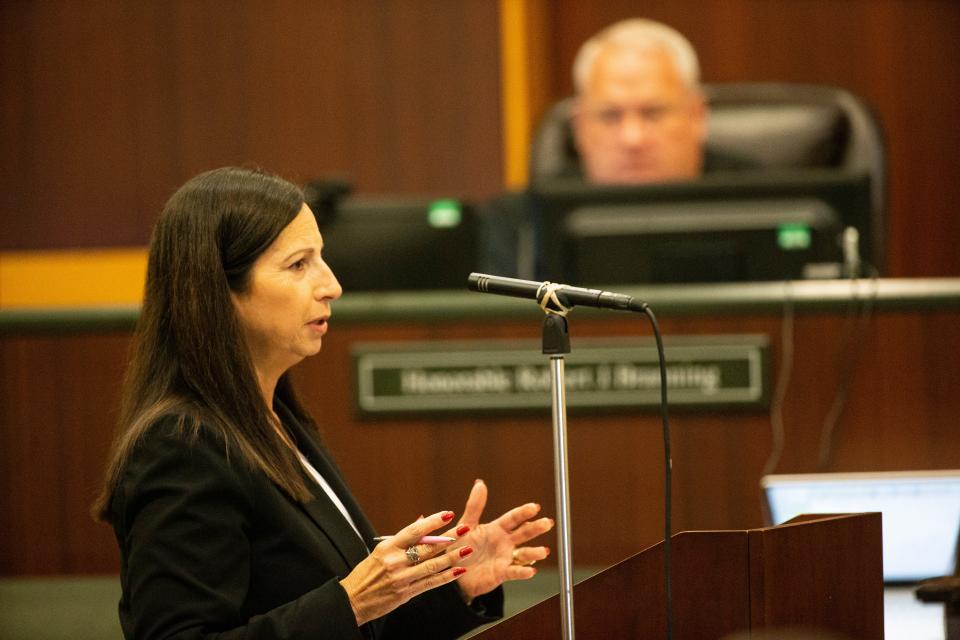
[459, 571]
[465, 552]
[463, 530]
[447, 516]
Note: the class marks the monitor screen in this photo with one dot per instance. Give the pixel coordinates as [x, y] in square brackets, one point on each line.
[921, 513]
[384, 243]
[722, 228]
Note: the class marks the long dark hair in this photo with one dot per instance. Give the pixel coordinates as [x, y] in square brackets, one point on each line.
[189, 356]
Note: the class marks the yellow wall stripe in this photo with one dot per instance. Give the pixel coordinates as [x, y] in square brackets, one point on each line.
[72, 277]
[515, 94]
[523, 82]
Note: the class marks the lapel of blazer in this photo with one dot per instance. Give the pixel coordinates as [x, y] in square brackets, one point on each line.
[322, 510]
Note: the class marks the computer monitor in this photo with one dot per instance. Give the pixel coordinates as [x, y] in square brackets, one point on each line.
[921, 513]
[389, 243]
[723, 228]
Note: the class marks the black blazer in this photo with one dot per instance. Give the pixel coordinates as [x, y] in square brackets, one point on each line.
[210, 548]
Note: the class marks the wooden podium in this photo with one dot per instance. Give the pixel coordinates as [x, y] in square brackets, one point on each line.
[813, 572]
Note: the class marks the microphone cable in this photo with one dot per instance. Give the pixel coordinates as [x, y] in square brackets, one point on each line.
[667, 472]
[858, 316]
[777, 428]
[851, 345]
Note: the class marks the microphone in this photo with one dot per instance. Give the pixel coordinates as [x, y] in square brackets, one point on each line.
[567, 295]
[851, 251]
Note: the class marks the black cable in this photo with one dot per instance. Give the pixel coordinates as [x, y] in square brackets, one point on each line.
[851, 345]
[668, 473]
[777, 428]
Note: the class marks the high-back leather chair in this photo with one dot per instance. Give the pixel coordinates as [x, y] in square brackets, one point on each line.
[773, 126]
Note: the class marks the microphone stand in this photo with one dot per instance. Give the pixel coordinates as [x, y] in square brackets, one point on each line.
[556, 343]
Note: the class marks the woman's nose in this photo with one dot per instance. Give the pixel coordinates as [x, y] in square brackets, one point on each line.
[327, 287]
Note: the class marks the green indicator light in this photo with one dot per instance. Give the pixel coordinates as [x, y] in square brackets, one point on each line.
[444, 213]
[792, 237]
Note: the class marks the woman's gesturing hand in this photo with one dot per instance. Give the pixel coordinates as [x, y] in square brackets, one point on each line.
[399, 569]
[497, 554]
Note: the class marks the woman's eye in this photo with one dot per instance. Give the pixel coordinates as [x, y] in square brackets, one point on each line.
[299, 265]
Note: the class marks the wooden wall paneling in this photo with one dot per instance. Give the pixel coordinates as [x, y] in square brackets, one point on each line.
[59, 395]
[31, 530]
[616, 460]
[88, 397]
[922, 89]
[115, 105]
[940, 362]
[71, 141]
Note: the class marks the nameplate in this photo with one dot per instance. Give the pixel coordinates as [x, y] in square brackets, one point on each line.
[502, 375]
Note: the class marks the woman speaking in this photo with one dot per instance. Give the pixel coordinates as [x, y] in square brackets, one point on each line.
[232, 519]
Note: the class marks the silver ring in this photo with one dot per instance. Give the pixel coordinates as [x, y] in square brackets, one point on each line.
[413, 555]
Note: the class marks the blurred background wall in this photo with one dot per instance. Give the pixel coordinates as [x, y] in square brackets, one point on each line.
[108, 106]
